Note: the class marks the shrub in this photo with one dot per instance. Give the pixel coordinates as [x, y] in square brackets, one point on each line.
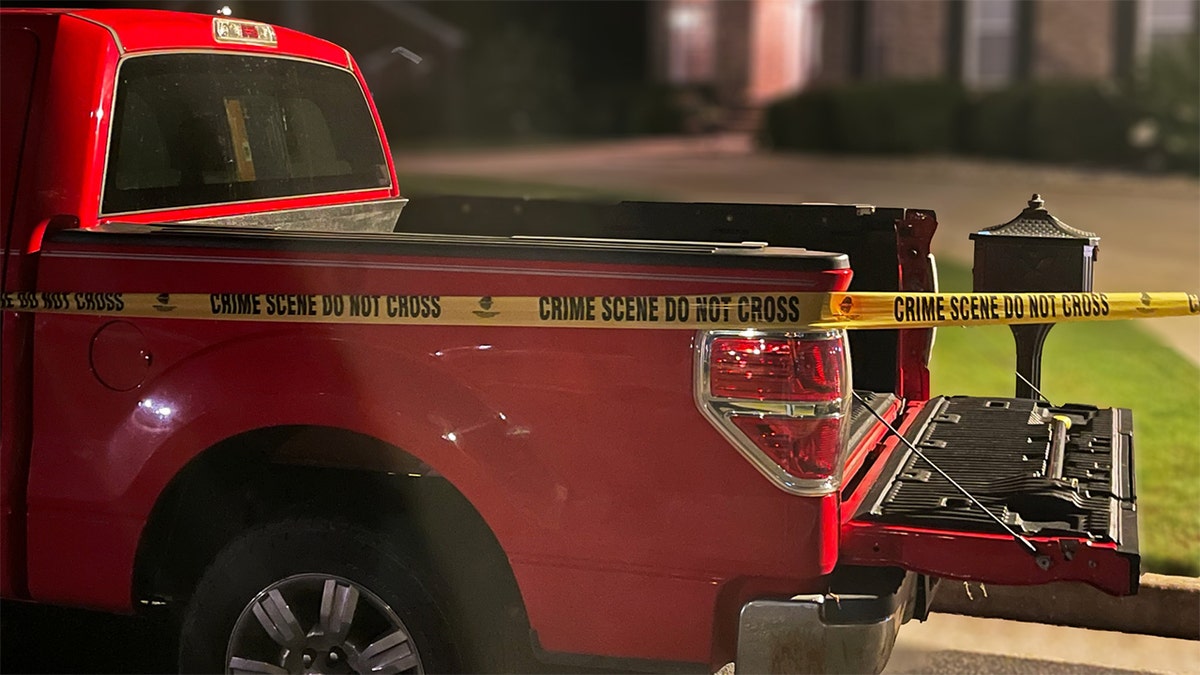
[901, 117]
[804, 121]
[1165, 97]
[998, 123]
[1079, 122]
[883, 117]
[1063, 122]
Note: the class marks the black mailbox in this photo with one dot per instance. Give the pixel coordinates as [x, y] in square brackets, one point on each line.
[1033, 252]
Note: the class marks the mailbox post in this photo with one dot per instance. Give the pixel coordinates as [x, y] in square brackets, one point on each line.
[1034, 252]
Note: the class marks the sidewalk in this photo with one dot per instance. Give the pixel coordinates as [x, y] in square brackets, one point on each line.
[959, 644]
[1149, 226]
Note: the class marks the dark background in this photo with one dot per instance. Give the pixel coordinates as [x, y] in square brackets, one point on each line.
[490, 69]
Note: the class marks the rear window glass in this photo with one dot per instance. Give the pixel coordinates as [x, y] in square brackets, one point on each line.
[192, 129]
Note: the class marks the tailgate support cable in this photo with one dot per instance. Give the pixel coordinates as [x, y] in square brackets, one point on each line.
[1025, 543]
[1035, 389]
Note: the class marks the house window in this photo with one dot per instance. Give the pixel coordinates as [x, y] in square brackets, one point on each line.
[990, 42]
[691, 41]
[1166, 22]
[876, 36]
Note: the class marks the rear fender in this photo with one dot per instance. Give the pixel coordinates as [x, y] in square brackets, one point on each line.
[247, 384]
[407, 401]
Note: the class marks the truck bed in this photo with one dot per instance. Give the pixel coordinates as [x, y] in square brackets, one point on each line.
[875, 239]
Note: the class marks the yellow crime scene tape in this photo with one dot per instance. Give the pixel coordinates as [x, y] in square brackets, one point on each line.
[724, 311]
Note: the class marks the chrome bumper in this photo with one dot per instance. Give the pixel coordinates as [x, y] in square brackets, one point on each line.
[827, 633]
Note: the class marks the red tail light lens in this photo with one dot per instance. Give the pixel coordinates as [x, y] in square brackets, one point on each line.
[780, 399]
[776, 368]
[806, 448]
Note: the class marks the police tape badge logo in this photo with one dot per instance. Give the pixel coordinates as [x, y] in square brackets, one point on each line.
[485, 304]
[1146, 306]
[164, 302]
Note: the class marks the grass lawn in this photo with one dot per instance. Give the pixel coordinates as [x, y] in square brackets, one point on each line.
[1112, 363]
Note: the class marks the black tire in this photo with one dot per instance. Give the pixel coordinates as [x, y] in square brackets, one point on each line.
[306, 551]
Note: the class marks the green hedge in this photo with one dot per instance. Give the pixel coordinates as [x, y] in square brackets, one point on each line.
[998, 124]
[1062, 122]
[1166, 94]
[869, 118]
[804, 121]
[1080, 122]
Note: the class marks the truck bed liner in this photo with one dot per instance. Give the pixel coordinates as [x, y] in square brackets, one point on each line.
[998, 449]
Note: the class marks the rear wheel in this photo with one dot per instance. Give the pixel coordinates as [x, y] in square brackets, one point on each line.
[309, 596]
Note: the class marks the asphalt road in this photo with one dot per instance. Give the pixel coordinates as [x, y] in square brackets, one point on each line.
[36, 639]
[1149, 225]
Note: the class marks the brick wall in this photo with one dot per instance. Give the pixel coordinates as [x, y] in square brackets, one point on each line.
[1073, 39]
[660, 39]
[734, 33]
[906, 39]
[836, 42]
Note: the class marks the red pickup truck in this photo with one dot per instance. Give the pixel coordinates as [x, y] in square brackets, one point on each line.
[312, 498]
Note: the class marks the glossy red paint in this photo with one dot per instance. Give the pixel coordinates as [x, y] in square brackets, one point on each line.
[988, 558]
[544, 464]
[23, 33]
[60, 139]
[914, 233]
[873, 453]
[68, 164]
[84, 50]
[139, 30]
[866, 455]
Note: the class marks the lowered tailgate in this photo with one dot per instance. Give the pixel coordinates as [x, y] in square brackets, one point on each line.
[1061, 478]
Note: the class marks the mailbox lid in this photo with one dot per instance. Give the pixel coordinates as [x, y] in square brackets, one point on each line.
[1034, 252]
[1036, 223]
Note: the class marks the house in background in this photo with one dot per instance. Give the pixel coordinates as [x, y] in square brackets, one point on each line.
[487, 67]
[752, 51]
[987, 43]
[747, 51]
[599, 66]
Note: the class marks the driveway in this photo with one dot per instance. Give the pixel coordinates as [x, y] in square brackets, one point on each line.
[1149, 225]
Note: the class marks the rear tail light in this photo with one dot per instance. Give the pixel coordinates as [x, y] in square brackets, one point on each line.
[776, 368]
[806, 448]
[780, 398]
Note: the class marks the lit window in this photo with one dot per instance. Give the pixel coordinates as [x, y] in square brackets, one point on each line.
[690, 30]
[1166, 22]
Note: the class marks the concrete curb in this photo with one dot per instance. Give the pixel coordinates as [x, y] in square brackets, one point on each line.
[1164, 606]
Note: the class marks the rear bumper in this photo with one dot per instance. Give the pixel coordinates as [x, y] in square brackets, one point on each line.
[831, 632]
